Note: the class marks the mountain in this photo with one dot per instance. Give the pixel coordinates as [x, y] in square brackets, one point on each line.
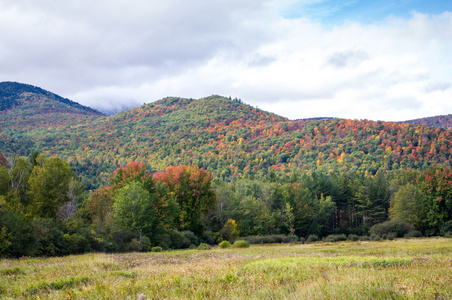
[444, 121]
[13, 95]
[24, 106]
[227, 138]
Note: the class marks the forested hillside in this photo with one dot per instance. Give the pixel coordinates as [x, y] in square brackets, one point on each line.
[437, 121]
[225, 137]
[178, 172]
[26, 108]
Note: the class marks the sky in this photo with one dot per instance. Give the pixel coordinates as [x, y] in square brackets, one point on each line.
[377, 60]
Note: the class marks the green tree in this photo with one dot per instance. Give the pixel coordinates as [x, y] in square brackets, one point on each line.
[289, 218]
[52, 184]
[408, 206]
[133, 208]
[15, 235]
[373, 204]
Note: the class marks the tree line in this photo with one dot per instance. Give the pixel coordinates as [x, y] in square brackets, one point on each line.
[45, 210]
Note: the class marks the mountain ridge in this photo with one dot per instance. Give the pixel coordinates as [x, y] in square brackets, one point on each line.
[229, 139]
[440, 121]
[13, 94]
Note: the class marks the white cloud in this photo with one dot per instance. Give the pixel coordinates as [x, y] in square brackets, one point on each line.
[107, 53]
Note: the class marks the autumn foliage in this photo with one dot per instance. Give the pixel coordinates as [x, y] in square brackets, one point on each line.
[192, 190]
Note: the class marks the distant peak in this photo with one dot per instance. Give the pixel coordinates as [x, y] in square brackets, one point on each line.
[12, 95]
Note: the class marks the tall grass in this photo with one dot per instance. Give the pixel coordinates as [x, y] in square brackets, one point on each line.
[400, 269]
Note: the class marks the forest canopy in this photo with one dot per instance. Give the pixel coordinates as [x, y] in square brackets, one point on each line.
[45, 210]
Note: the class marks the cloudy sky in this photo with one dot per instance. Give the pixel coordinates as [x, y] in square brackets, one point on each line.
[360, 59]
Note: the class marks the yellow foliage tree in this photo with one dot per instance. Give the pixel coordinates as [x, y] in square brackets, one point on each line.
[230, 230]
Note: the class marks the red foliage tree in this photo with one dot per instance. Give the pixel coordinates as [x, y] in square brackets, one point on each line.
[191, 187]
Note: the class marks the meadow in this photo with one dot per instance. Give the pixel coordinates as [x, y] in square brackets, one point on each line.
[398, 269]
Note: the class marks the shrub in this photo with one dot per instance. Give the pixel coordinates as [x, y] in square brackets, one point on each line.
[413, 234]
[240, 244]
[121, 238]
[447, 227]
[224, 244]
[312, 238]
[193, 239]
[374, 237]
[208, 238]
[335, 238]
[135, 245]
[271, 239]
[16, 237]
[157, 249]
[292, 238]
[140, 245]
[384, 237]
[398, 227]
[50, 240]
[364, 238]
[217, 237]
[192, 246]
[204, 246]
[178, 240]
[353, 237]
[76, 243]
[391, 236]
[146, 243]
[448, 235]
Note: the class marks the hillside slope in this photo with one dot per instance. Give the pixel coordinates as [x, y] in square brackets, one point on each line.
[230, 140]
[24, 106]
[444, 121]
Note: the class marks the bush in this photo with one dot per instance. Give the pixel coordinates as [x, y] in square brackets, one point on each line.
[157, 249]
[16, 237]
[217, 237]
[146, 244]
[121, 238]
[192, 247]
[76, 243]
[364, 238]
[240, 244]
[49, 240]
[398, 227]
[135, 245]
[224, 244]
[312, 238]
[208, 238]
[413, 234]
[204, 246]
[353, 237]
[271, 239]
[178, 240]
[447, 227]
[140, 245]
[448, 235]
[374, 237]
[292, 238]
[391, 236]
[335, 238]
[193, 239]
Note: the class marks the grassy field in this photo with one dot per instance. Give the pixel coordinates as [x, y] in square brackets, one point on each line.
[399, 269]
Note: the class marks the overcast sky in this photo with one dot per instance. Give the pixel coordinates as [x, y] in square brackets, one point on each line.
[380, 60]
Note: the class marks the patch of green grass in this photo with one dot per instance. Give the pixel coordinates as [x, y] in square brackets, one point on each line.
[61, 283]
[12, 271]
[399, 269]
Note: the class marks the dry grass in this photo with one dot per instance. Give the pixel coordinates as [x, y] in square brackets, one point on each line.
[401, 269]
